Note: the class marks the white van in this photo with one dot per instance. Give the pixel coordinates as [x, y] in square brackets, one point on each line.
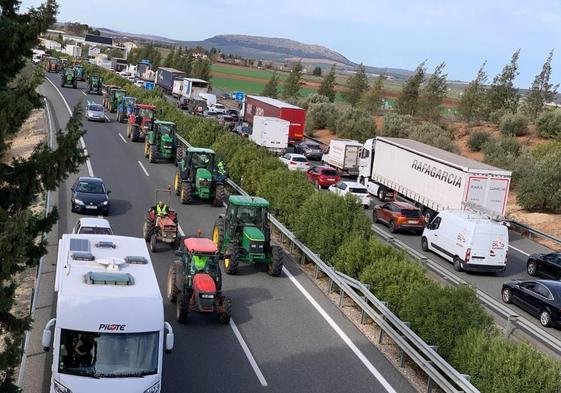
[470, 241]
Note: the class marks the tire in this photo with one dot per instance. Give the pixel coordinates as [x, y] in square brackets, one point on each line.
[545, 318]
[172, 290]
[231, 259]
[146, 148]
[381, 194]
[457, 264]
[135, 134]
[177, 183]
[425, 244]
[147, 230]
[182, 308]
[186, 193]
[532, 268]
[218, 233]
[218, 200]
[429, 214]
[275, 267]
[153, 243]
[178, 155]
[391, 226]
[375, 216]
[153, 153]
[506, 295]
[72, 207]
[226, 314]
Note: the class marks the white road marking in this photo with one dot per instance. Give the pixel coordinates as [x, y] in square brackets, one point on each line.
[248, 354]
[84, 93]
[341, 333]
[180, 230]
[519, 250]
[61, 96]
[89, 165]
[144, 169]
[106, 118]
[120, 136]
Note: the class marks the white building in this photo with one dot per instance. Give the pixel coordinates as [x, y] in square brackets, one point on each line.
[73, 50]
[94, 51]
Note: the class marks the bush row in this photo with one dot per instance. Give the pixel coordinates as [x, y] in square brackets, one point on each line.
[338, 230]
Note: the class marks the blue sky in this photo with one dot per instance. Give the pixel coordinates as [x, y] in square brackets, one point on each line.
[398, 33]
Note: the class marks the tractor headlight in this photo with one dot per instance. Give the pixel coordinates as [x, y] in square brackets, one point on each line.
[256, 247]
[153, 389]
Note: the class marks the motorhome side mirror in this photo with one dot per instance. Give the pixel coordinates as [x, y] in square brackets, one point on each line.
[46, 340]
[170, 340]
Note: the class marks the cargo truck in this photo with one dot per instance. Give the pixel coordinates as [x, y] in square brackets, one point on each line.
[141, 67]
[270, 107]
[165, 77]
[192, 95]
[270, 132]
[343, 156]
[434, 179]
[177, 87]
[109, 329]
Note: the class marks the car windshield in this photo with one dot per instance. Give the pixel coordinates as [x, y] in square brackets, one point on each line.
[95, 231]
[95, 108]
[329, 172]
[90, 187]
[108, 355]
[299, 159]
[245, 129]
[411, 213]
[358, 190]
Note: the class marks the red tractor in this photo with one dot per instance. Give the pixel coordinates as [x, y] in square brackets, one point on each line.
[195, 281]
[141, 121]
[160, 228]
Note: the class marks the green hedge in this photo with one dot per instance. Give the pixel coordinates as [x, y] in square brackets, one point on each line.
[338, 230]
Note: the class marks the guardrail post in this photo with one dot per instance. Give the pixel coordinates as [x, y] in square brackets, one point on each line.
[316, 271]
[282, 237]
[510, 325]
[381, 335]
[341, 297]
[363, 313]
[402, 355]
[291, 247]
[467, 377]
[429, 385]
[303, 259]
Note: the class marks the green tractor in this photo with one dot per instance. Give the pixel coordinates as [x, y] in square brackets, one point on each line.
[80, 72]
[115, 96]
[160, 142]
[68, 78]
[243, 235]
[198, 176]
[94, 84]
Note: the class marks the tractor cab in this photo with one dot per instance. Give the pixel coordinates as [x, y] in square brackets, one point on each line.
[94, 84]
[201, 255]
[106, 91]
[143, 115]
[68, 78]
[80, 72]
[52, 65]
[161, 141]
[125, 108]
[115, 96]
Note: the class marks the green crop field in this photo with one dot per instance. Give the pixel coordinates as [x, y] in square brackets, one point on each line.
[247, 72]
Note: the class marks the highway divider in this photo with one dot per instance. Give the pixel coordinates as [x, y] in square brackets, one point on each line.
[336, 228]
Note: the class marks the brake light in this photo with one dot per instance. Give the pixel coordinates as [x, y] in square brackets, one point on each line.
[468, 255]
[292, 163]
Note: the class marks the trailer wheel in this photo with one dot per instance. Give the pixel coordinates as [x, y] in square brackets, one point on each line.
[182, 308]
[172, 290]
[275, 267]
[226, 313]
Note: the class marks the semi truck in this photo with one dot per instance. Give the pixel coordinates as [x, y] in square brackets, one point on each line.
[270, 132]
[270, 107]
[141, 67]
[192, 94]
[165, 77]
[343, 156]
[434, 179]
[109, 328]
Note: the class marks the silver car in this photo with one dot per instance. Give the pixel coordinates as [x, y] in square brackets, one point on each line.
[95, 112]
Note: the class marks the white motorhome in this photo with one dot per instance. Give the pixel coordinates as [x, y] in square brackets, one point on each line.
[109, 329]
[469, 240]
[270, 132]
[434, 179]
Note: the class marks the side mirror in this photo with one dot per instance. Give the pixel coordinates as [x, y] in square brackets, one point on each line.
[72, 189]
[108, 192]
[170, 338]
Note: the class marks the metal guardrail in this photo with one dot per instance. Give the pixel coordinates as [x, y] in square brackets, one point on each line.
[525, 229]
[438, 370]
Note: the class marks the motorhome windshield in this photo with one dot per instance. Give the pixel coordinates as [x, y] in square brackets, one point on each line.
[108, 355]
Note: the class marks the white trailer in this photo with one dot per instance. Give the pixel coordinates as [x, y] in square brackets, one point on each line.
[343, 156]
[270, 132]
[109, 329]
[177, 87]
[434, 179]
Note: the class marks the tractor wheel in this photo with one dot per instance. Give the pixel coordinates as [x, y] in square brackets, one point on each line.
[275, 267]
[129, 131]
[186, 193]
[135, 134]
[226, 313]
[218, 233]
[75, 85]
[218, 200]
[118, 117]
[177, 183]
[172, 290]
[153, 243]
[147, 230]
[178, 155]
[231, 259]
[182, 308]
[153, 153]
[146, 149]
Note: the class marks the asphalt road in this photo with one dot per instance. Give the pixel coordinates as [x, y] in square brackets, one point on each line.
[295, 346]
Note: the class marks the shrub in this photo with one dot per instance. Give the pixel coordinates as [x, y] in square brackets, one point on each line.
[497, 116]
[355, 124]
[502, 152]
[323, 115]
[543, 149]
[501, 366]
[433, 135]
[439, 314]
[548, 124]
[539, 187]
[315, 98]
[477, 139]
[396, 125]
[356, 254]
[256, 170]
[325, 221]
[514, 124]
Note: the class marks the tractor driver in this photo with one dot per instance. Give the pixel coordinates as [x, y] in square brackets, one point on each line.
[162, 210]
[198, 263]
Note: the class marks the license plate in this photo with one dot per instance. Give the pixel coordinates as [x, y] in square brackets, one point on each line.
[412, 222]
[330, 179]
[91, 207]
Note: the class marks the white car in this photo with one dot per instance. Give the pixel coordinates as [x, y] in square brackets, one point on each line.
[92, 226]
[218, 108]
[295, 162]
[350, 187]
[139, 83]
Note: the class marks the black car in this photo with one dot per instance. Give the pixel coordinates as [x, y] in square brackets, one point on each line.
[310, 149]
[545, 265]
[89, 195]
[241, 130]
[541, 298]
[233, 113]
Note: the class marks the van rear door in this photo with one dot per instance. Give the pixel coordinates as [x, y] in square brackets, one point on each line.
[489, 245]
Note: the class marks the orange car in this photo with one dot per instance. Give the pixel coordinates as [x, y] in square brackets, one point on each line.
[399, 216]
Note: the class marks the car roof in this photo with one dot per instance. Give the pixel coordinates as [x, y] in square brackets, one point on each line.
[551, 284]
[94, 104]
[94, 222]
[404, 205]
[91, 179]
[308, 142]
[297, 155]
[354, 184]
[200, 244]
[325, 167]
